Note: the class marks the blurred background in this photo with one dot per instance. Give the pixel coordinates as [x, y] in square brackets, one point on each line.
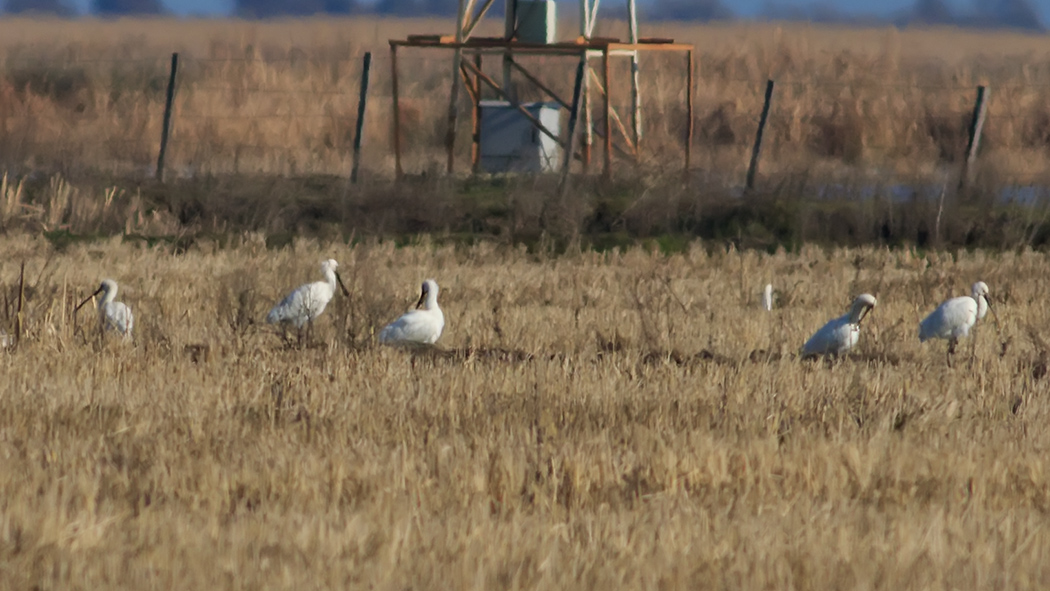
[1012, 14]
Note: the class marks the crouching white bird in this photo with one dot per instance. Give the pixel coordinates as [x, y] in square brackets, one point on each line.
[953, 319]
[112, 315]
[422, 325]
[840, 334]
[308, 301]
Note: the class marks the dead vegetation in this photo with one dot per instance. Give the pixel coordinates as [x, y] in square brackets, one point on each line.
[590, 420]
[529, 212]
[280, 98]
[615, 417]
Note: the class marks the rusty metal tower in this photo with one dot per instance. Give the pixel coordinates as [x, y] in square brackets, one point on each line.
[528, 30]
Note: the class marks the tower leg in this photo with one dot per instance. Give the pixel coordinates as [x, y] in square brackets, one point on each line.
[636, 99]
[453, 98]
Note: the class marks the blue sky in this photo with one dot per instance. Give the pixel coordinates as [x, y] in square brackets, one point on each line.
[740, 7]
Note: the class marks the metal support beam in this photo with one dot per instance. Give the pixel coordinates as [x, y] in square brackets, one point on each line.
[468, 17]
[636, 99]
[585, 90]
[585, 19]
[562, 48]
[592, 18]
[453, 100]
[475, 138]
[468, 82]
[568, 106]
[581, 75]
[615, 118]
[588, 121]
[477, 18]
[538, 84]
[607, 113]
[688, 112]
[499, 92]
[509, 34]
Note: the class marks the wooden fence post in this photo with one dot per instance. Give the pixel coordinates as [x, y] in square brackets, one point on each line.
[166, 128]
[980, 110]
[752, 168]
[396, 115]
[362, 101]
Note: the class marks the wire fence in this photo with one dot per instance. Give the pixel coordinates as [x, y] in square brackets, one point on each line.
[298, 115]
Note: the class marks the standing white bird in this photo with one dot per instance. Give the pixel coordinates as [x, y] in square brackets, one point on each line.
[767, 298]
[308, 301]
[422, 325]
[953, 319]
[112, 315]
[840, 334]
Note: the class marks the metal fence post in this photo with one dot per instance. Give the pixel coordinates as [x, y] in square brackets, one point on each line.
[362, 101]
[752, 168]
[570, 148]
[980, 110]
[166, 128]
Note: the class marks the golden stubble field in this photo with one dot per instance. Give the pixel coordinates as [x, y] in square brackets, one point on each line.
[588, 421]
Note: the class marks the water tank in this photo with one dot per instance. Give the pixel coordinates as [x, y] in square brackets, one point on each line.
[511, 143]
[536, 21]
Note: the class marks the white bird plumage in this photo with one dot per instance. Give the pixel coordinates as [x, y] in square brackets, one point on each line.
[840, 334]
[953, 319]
[112, 315]
[307, 302]
[422, 325]
[767, 298]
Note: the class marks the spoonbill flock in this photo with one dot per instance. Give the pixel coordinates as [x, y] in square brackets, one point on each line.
[952, 320]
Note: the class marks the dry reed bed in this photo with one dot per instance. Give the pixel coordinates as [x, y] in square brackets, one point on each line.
[280, 97]
[596, 421]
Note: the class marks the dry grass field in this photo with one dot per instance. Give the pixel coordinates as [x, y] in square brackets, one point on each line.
[280, 97]
[625, 420]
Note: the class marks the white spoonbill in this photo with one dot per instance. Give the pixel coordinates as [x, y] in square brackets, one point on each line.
[112, 315]
[306, 302]
[422, 325]
[953, 319]
[840, 334]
